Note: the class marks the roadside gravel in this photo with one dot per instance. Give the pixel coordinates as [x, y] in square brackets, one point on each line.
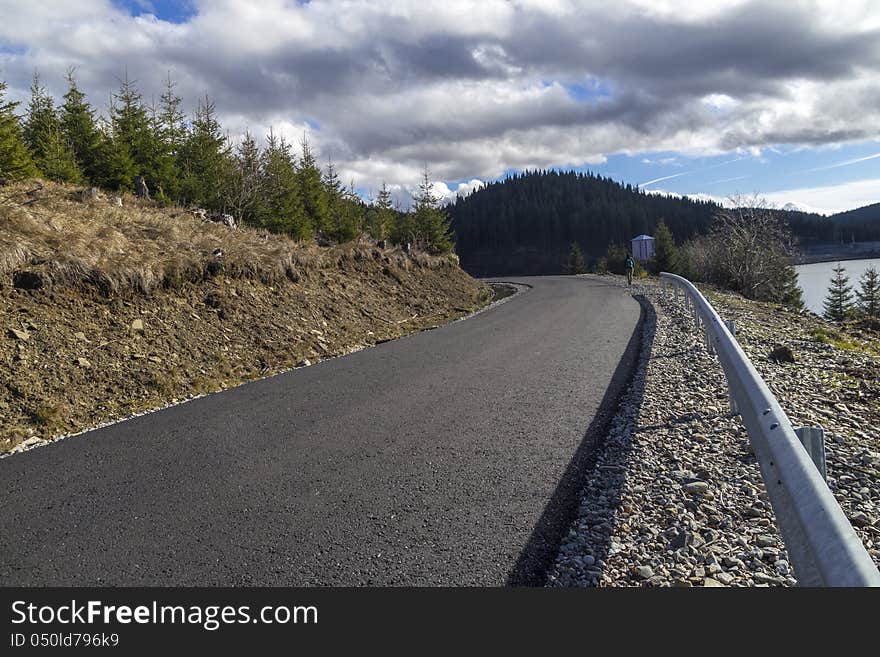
[675, 497]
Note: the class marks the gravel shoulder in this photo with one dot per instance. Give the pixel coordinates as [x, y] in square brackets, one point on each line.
[675, 497]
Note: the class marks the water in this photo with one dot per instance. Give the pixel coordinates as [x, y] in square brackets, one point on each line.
[815, 278]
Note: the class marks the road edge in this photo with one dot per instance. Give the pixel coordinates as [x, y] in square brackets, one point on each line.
[539, 554]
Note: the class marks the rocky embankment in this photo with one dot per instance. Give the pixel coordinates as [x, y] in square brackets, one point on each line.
[109, 311]
[675, 497]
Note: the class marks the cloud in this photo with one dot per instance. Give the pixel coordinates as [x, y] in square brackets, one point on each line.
[829, 199]
[825, 199]
[475, 88]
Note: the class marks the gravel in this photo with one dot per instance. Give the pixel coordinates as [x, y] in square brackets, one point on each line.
[675, 497]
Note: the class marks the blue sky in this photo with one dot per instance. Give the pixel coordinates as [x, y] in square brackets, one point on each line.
[774, 171]
[708, 99]
[167, 10]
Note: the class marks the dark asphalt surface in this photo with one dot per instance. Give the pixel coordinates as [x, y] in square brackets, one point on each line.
[449, 457]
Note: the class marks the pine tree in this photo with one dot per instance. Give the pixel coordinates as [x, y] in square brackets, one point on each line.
[666, 256]
[789, 292]
[81, 130]
[40, 119]
[169, 130]
[57, 161]
[136, 132]
[205, 160]
[283, 207]
[357, 210]
[43, 134]
[575, 262]
[430, 223]
[172, 121]
[340, 206]
[114, 167]
[404, 230]
[869, 294]
[381, 216]
[311, 190]
[16, 162]
[838, 302]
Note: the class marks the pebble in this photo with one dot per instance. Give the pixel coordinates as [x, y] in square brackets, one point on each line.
[764, 540]
[696, 487]
[19, 334]
[860, 519]
[649, 500]
[725, 578]
[644, 572]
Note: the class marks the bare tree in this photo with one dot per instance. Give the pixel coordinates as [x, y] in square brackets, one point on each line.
[750, 250]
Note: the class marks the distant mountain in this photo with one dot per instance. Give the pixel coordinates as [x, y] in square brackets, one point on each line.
[801, 207]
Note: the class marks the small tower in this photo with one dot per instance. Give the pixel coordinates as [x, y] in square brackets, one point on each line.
[642, 248]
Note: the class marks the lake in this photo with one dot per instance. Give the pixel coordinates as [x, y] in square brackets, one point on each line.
[815, 278]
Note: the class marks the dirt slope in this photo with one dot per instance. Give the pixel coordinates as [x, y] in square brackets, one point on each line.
[107, 311]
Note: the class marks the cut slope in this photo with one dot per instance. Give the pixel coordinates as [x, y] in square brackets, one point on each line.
[106, 311]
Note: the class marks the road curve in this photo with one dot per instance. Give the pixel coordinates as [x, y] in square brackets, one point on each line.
[449, 457]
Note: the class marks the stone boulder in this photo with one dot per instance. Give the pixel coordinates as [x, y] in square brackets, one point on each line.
[782, 354]
[226, 219]
[140, 187]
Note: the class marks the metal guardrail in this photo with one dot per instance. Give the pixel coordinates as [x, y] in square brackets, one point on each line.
[822, 546]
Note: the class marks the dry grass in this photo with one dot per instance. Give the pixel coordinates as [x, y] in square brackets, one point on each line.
[50, 231]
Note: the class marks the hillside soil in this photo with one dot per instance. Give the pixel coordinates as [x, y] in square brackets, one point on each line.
[89, 336]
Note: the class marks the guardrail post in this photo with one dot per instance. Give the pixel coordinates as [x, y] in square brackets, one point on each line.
[813, 440]
[731, 327]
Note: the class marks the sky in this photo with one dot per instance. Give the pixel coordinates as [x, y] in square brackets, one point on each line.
[709, 99]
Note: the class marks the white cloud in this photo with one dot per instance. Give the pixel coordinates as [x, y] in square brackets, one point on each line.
[475, 88]
[831, 198]
[827, 200]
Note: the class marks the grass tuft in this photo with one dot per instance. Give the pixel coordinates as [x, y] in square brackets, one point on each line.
[63, 241]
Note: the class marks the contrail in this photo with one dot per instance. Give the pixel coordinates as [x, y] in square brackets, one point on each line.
[656, 180]
[842, 164]
[685, 173]
[721, 164]
[724, 180]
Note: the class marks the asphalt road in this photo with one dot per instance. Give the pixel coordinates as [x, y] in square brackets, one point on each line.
[449, 457]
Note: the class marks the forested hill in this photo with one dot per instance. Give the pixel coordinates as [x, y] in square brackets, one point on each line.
[525, 224]
[867, 216]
